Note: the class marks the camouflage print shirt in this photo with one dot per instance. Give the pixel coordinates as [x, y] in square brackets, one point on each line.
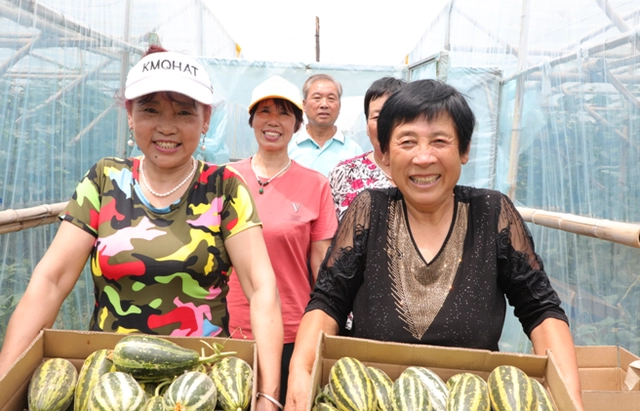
[160, 271]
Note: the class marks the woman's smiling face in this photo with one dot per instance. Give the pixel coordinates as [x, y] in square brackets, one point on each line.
[425, 161]
[273, 125]
[167, 127]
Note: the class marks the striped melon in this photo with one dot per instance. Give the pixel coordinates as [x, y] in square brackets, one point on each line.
[117, 391]
[52, 385]
[96, 365]
[145, 356]
[544, 400]
[233, 379]
[324, 395]
[454, 379]
[510, 389]
[155, 403]
[469, 393]
[438, 391]
[351, 386]
[410, 394]
[383, 386]
[324, 406]
[192, 391]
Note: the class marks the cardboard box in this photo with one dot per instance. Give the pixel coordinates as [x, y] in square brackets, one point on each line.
[76, 347]
[393, 358]
[603, 370]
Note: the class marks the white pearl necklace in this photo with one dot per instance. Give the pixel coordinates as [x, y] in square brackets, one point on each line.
[264, 183]
[174, 189]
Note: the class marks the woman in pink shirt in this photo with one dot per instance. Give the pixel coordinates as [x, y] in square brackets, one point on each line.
[296, 209]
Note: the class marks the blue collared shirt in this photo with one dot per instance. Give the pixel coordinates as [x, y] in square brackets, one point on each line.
[307, 152]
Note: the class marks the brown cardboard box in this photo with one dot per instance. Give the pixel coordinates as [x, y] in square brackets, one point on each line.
[393, 358]
[76, 347]
[603, 370]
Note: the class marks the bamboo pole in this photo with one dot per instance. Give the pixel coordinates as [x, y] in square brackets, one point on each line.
[617, 232]
[623, 39]
[516, 129]
[16, 220]
[614, 231]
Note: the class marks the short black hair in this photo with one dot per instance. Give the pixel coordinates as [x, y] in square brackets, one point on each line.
[381, 87]
[427, 99]
[281, 104]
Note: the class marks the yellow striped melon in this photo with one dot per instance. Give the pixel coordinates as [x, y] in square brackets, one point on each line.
[117, 391]
[469, 392]
[351, 386]
[510, 389]
[233, 378]
[52, 385]
[410, 394]
[438, 391]
[96, 365]
[544, 399]
[384, 388]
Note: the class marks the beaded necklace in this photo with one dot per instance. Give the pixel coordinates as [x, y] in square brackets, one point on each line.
[173, 190]
[263, 184]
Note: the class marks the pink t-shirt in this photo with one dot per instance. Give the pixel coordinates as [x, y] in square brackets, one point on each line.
[296, 209]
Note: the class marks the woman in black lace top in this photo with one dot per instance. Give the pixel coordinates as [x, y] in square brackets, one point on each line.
[429, 261]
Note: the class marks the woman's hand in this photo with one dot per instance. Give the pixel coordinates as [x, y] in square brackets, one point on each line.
[304, 354]
[298, 390]
[250, 260]
[553, 334]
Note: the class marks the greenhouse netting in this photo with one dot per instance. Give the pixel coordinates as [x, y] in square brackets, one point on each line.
[555, 87]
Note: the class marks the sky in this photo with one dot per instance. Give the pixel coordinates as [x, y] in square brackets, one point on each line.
[368, 32]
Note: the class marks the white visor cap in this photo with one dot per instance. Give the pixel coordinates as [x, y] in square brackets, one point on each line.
[276, 87]
[169, 71]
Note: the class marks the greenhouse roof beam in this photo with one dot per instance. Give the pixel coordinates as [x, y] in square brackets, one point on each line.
[95, 121]
[508, 48]
[24, 51]
[30, 14]
[611, 78]
[66, 89]
[608, 44]
[600, 30]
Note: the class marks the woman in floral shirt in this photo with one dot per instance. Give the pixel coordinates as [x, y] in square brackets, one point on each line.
[352, 176]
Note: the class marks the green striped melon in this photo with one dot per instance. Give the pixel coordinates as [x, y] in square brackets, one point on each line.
[95, 366]
[410, 394]
[383, 386]
[544, 399]
[324, 406]
[324, 395]
[52, 385]
[469, 393]
[454, 379]
[510, 389]
[438, 391]
[155, 403]
[351, 385]
[233, 378]
[146, 356]
[192, 391]
[117, 391]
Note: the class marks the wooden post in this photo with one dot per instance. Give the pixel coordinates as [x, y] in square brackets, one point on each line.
[516, 128]
[317, 39]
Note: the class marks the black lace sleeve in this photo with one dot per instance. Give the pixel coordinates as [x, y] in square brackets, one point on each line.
[521, 272]
[340, 274]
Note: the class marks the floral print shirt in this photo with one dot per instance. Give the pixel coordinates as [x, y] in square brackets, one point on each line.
[160, 271]
[351, 176]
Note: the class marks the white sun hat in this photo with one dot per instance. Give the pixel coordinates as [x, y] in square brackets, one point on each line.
[276, 87]
[169, 71]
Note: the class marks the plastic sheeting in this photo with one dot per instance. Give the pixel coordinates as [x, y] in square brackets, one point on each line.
[554, 85]
[567, 116]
